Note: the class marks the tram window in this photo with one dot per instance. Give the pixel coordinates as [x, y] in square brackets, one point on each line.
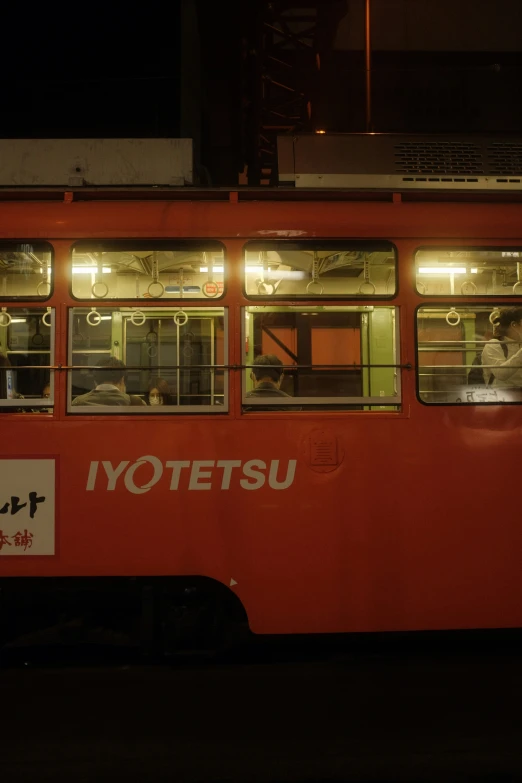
[466, 271]
[174, 360]
[334, 358]
[181, 269]
[25, 270]
[320, 269]
[26, 355]
[450, 342]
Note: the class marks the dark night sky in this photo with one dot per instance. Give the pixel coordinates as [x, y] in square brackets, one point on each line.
[89, 70]
[109, 70]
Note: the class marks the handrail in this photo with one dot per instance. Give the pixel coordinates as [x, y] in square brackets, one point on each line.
[60, 367]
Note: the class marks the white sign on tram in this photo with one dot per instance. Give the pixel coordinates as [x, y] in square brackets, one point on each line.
[27, 507]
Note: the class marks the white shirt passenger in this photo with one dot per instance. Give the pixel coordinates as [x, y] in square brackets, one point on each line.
[507, 371]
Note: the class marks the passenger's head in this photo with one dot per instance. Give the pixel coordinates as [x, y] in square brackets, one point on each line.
[267, 368]
[508, 323]
[158, 392]
[112, 371]
[46, 391]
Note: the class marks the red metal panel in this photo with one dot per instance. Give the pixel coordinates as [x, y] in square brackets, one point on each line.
[287, 336]
[336, 346]
[259, 219]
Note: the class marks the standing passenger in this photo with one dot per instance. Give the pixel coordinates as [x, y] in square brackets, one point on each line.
[506, 370]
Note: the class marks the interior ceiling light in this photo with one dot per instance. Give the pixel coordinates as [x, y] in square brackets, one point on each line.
[445, 270]
[88, 270]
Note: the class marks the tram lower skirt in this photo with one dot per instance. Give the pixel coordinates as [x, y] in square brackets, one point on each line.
[154, 616]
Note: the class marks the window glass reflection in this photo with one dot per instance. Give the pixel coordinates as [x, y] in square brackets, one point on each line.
[25, 270]
[316, 269]
[150, 270]
[469, 272]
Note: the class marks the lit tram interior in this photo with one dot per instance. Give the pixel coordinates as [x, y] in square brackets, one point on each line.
[335, 356]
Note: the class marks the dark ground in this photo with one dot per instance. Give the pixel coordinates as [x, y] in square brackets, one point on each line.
[345, 710]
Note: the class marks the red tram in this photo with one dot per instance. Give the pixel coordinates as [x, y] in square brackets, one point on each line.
[381, 497]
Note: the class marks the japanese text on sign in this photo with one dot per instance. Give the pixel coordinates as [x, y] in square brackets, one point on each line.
[27, 507]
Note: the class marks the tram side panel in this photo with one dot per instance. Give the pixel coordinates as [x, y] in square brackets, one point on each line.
[363, 521]
[374, 544]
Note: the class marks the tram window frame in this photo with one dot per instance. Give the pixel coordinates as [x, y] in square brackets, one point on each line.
[469, 394]
[27, 404]
[377, 245]
[295, 404]
[40, 246]
[447, 248]
[154, 313]
[126, 245]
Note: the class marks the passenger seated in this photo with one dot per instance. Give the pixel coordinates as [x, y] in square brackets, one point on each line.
[110, 385]
[158, 392]
[267, 375]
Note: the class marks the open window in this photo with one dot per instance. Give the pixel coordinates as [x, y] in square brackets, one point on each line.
[174, 360]
[332, 358]
[26, 358]
[450, 344]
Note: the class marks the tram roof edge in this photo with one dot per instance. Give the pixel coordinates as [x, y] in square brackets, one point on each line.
[238, 194]
[400, 162]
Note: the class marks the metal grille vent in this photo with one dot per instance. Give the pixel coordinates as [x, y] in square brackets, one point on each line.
[391, 161]
[438, 157]
[505, 159]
